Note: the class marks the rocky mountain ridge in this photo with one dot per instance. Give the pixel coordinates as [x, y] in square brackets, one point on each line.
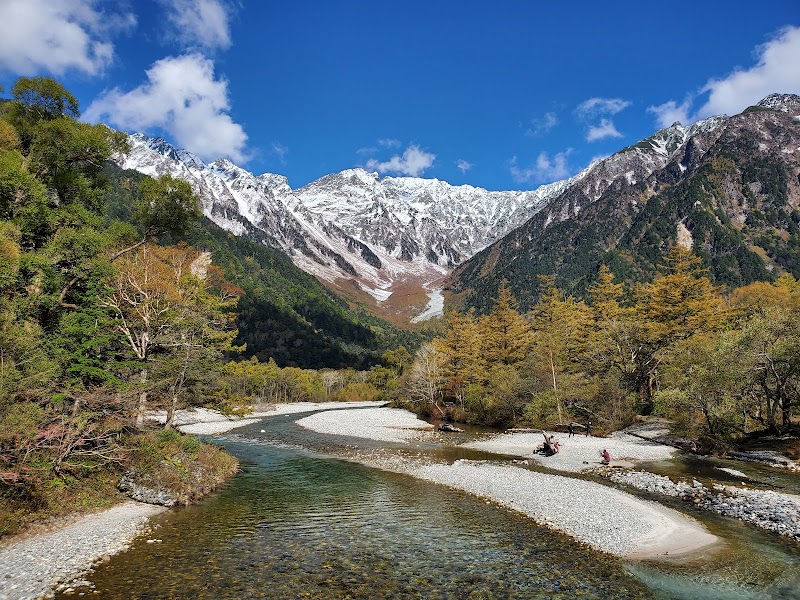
[391, 242]
[729, 187]
[366, 236]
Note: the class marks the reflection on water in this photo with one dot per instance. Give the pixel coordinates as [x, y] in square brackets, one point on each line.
[296, 524]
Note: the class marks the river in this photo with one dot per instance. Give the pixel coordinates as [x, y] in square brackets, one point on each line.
[300, 522]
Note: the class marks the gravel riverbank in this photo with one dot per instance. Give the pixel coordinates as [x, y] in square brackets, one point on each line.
[383, 424]
[602, 517]
[204, 421]
[578, 453]
[33, 567]
[774, 511]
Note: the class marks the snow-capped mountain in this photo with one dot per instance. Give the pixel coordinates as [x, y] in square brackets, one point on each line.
[382, 234]
[392, 238]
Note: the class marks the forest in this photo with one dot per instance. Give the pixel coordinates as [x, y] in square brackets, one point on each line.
[117, 298]
[724, 366]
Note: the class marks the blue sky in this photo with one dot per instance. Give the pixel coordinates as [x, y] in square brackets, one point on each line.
[501, 95]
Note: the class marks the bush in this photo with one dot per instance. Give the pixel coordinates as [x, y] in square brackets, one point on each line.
[356, 392]
[180, 465]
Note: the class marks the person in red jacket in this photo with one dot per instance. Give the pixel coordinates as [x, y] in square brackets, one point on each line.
[606, 456]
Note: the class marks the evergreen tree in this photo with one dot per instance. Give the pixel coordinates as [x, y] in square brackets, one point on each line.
[462, 360]
[679, 304]
[504, 333]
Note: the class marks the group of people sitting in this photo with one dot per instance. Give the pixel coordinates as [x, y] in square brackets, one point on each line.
[550, 444]
[551, 447]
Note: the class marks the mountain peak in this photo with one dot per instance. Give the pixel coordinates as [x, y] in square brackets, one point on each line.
[163, 147]
[782, 102]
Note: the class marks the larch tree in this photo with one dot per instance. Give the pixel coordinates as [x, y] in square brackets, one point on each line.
[680, 303]
[462, 359]
[559, 326]
[505, 333]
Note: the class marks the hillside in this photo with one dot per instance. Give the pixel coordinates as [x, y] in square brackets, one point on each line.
[285, 313]
[727, 187]
[386, 243]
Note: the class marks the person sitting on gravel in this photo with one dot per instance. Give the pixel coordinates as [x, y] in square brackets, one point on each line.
[550, 444]
[606, 457]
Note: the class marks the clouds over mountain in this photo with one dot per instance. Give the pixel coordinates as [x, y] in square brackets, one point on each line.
[775, 70]
[413, 162]
[183, 97]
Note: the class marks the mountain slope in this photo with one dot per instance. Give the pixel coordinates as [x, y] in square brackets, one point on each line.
[727, 187]
[285, 313]
[385, 242]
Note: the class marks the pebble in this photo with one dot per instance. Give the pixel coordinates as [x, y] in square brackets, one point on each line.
[774, 511]
[32, 568]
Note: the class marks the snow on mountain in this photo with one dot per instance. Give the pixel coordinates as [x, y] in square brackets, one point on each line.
[381, 236]
[350, 226]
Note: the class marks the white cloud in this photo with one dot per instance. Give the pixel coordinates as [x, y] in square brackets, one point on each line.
[414, 162]
[200, 22]
[670, 112]
[463, 165]
[542, 125]
[776, 70]
[280, 151]
[182, 97]
[545, 169]
[389, 143]
[595, 107]
[366, 150]
[605, 129]
[56, 36]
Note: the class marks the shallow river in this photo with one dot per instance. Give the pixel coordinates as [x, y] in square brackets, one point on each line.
[299, 523]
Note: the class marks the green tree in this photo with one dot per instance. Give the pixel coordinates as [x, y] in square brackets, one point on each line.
[560, 325]
[37, 99]
[772, 343]
[675, 306]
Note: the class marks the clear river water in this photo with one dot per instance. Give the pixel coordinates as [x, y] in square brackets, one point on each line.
[300, 522]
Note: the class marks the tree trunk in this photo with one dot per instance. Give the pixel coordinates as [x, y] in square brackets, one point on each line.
[646, 389]
[142, 399]
[555, 387]
[171, 408]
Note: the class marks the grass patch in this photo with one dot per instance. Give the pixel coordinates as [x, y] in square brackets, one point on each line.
[179, 464]
[55, 500]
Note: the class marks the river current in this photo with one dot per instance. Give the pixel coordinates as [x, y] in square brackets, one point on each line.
[298, 522]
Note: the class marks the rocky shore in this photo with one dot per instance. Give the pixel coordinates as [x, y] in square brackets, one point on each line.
[613, 521]
[774, 511]
[33, 567]
[603, 517]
